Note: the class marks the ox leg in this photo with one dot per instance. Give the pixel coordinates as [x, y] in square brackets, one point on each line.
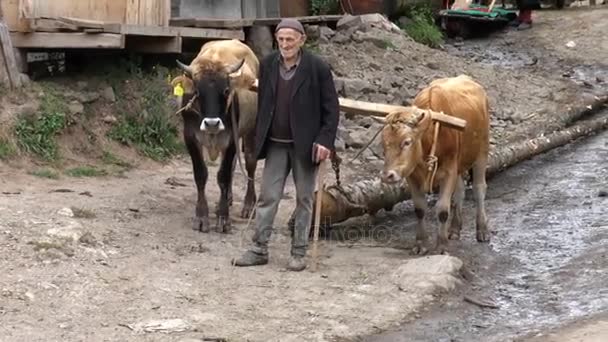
[250, 165]
[201, 218]
[479, 191]
[420, 208]
[456, 210]
[224, 180]
[443, 211]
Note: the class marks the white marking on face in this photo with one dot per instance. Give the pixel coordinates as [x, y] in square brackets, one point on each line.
[212, 124]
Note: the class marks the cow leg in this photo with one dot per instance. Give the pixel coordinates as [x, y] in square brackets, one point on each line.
[224, 180]
[479, 191]
[250, 165]
[199, 169]
[456, 210]
[443, 210]
[420, 208]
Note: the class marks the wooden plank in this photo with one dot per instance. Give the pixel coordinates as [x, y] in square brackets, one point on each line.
[246, 22]
[79, 22]
[211, 23]
[191, 32]
[95, 10]
[8, 56]
[376, 110]
[138, 30]
[52, 25]
[67, 40]
[132, 12]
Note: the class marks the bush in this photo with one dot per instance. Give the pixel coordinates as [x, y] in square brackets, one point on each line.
[323, 7]
[422, 28]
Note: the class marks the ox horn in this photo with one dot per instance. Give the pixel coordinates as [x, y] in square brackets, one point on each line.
[415, 120]
[236, 66]
[187, 69]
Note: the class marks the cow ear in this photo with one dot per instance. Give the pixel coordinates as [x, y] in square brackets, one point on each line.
[185, 82]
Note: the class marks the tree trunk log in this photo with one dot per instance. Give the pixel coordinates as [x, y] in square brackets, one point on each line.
[369, 196]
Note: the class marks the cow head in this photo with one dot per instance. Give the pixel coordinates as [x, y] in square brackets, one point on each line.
[401, 140]
[212, 84]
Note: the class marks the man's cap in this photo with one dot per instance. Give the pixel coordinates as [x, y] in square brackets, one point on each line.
[290, 23]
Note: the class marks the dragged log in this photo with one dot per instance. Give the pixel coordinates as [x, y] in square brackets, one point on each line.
[369, 196]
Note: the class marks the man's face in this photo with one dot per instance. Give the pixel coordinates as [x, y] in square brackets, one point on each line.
[290, 41]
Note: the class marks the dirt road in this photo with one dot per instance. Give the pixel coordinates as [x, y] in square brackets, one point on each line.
[114, 259]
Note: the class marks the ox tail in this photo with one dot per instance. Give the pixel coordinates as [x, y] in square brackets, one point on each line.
[234, 108]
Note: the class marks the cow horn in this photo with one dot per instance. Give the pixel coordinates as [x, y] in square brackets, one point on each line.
[187, 69]
[415, 119]
[236, 66]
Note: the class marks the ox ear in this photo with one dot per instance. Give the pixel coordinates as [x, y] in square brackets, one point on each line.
[236, 69]
[187, 69]
[185, 82]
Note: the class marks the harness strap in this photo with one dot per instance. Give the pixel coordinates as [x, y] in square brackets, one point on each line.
[432, 161]
[188, 106]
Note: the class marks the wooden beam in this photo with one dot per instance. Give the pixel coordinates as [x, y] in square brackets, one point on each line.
[67, 40]
[52, 25]
[7, 57]
[376, 110]
[191, 32]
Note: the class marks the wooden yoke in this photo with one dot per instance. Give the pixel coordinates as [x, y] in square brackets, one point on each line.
[377, 110]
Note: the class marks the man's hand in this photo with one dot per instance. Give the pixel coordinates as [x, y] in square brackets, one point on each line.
[320, 153]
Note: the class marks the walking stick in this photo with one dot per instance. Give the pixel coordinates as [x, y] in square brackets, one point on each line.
[317, 222]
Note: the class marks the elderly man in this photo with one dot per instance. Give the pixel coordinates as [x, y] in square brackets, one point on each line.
[296, 128]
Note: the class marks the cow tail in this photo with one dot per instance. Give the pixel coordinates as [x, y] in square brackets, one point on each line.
[234, 107]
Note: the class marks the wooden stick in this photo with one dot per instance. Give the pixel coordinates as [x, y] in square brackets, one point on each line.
[317, 222]
[379, 109]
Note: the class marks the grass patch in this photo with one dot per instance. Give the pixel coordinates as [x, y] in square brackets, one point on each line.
[422, 29]
[85, 171]
[45, 173]
[110, 159]
[7, 149]
[323, 7]
[147, 126]
[36, 133]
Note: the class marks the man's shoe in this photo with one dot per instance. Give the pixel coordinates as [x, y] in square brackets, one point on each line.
[524, 26]
[250, 258]
[296, 264]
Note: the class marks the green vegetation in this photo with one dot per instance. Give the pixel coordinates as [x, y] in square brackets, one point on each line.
[7, 149]
[422, 28]
[85, 171]
[36, 133]
[147, 125]
[45, 173]
[323, 7]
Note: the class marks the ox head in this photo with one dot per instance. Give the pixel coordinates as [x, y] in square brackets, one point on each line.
[401, 140]
[212, 84]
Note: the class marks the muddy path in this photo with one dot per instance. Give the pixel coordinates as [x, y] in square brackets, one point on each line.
[546, 264]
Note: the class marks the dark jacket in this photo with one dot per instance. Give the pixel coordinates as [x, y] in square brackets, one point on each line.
[314, 109]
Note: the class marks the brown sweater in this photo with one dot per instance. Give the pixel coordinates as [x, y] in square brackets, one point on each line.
[281, 123]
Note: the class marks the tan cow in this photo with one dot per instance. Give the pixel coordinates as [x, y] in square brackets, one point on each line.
[408, 141]
[217, 84]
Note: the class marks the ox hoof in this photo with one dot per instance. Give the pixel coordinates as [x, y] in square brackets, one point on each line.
[483, 236]
[441, 249]
[419, 250]
[201, 224]
[455, 235]
[247, 211]
[224, 225]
